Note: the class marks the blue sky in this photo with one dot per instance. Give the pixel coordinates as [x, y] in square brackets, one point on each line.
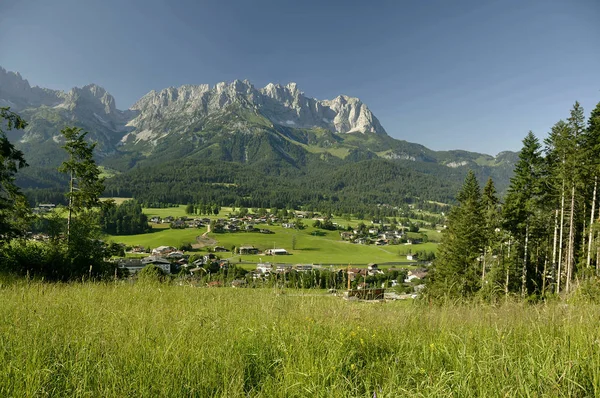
[461, 74]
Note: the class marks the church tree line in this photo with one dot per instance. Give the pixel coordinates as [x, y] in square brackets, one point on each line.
[544, 237]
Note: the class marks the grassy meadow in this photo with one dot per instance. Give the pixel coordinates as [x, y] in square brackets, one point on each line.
[149, 340]
[303, 246]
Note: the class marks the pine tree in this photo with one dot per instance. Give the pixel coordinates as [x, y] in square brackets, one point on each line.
[85, 184]
[491, 217]
[522, 202]
[457, 268]
[591, 148]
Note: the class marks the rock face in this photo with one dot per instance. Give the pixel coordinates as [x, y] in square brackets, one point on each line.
[282, 105]
[16, 93]
[158, 114]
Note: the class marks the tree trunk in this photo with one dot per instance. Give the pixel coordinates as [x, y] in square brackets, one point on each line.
[544, 274]
[507, 271]
[597, 256]
[571, 241]
[524, 269]
[560, 239]
[483, 268]
[554, 245]
[589, 248]
[70, 208]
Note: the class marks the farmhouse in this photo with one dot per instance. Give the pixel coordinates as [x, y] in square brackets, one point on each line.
[281, 268]
[303, 267]
[248, 250]
[163, 250]
[160, 262]
[416, 274]
[264, 268]
[276, 252]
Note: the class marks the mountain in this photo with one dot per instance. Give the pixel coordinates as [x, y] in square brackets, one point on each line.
[274, 134]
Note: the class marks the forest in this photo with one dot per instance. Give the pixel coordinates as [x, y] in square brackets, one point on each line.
[543, 237]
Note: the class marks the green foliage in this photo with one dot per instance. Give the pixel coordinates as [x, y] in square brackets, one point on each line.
[124, 219]
[457, 267]
[151, 273]
[86, 184]
[14, 209]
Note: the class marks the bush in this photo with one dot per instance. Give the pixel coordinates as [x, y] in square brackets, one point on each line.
[151, 273]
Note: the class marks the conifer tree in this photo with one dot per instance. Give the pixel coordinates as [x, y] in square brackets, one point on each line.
[491, 217]
[522, 202]
[85, 184]
[457, 268]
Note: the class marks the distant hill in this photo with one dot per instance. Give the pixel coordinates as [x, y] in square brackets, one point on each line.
[237, 143]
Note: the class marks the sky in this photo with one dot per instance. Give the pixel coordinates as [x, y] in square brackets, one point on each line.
[460, 74]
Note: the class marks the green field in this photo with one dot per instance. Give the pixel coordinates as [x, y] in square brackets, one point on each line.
[301, 244]
[328, 249]
[142, 340]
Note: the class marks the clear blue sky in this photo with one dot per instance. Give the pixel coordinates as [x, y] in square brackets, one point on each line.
[474, 75]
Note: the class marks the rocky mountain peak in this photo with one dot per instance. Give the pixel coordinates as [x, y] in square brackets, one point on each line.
[17, 93]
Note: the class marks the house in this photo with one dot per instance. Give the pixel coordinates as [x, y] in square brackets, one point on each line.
[264, 268]
[175, 255]
[411, 257]
[303, 267]
[220, 249]
[163, 250]
[373, 231]
[276, 252]
[346, 235]
[248, 250]
[156, 219]
[282, 268]
[288, 225]
[415, 275]
[138, 249]
[132, 265]
[168, 219]
[159, 262]
[373, 269]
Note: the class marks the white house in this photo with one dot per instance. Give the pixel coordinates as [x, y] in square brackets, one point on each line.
[276, 252]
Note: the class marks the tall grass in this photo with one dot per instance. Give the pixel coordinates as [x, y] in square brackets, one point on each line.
[150, 340]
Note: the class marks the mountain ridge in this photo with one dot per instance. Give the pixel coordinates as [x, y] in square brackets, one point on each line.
[277, 128]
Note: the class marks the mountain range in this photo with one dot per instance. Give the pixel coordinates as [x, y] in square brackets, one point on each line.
[252, 138]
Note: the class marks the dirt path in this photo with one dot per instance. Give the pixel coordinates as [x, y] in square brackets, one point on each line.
[203, 241]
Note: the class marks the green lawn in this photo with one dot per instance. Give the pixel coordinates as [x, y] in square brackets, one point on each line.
[159, 237]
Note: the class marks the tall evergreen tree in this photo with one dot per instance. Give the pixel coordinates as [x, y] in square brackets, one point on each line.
[522, 202]
[457, 268]
[85, 184]
[591, 161]
[491, 216]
